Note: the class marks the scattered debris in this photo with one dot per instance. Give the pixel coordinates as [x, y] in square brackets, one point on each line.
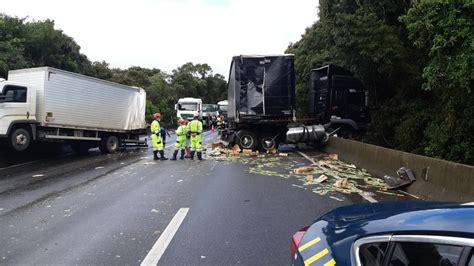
[273, 151]
[333, 156]
[304, 170]
[203, 257]
[217, 145]
[236, 148]
[154, 210]
[341, 183]
[247, 152]
[179, 181]
[408, 194]
[38, 175]
[99, 167]
[368, 194]
[309, 179]
[405, 176]
[293, 185]
[157, 232]
[336, 198]
[283, 154]
[321, 179]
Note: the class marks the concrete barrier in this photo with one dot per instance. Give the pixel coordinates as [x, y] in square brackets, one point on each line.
[435, 179]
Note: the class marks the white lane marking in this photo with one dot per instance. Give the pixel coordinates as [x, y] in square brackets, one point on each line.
[162, 243]
[360, 192]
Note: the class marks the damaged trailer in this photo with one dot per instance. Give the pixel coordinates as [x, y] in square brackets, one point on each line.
[262, 103]
[261, 95]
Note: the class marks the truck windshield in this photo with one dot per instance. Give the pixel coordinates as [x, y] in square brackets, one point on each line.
[208, 108]
[222, 107]
[188, 106]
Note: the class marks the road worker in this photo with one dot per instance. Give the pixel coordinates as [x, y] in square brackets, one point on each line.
[180, 139]
[156, 141]
[164, 133]
[220, 124]
[195, 128]
[188, 139]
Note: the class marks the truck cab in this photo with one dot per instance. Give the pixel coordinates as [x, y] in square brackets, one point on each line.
[17, 113]
[222, 108]
[337, 99]
[188, 107]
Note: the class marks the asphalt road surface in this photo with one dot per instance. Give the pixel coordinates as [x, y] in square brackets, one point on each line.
[112, 209]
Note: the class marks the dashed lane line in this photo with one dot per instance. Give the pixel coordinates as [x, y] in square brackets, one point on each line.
[164, 240]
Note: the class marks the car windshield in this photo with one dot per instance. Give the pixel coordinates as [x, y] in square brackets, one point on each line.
[188, 106]
[222, 107]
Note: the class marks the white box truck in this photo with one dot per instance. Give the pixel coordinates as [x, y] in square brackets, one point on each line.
[48, 104]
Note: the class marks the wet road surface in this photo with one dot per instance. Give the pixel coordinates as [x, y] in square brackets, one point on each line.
[111, 209]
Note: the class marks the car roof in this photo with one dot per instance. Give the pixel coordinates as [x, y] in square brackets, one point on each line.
[404, 216]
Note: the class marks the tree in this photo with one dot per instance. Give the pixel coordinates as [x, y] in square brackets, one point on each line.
[444, 31]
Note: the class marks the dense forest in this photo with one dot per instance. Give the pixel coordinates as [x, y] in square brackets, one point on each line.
[26, 44]
[416, 58]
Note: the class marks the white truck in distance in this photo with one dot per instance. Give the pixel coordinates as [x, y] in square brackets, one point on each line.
[188, 108]
[47, 104]
[222, 107]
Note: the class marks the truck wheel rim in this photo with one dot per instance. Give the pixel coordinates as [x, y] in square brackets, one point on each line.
[112, 144]
[247, 142]
[21, 139]
[268, 143]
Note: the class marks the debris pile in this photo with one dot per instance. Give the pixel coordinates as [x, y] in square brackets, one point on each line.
[327, 176]
[218, 151]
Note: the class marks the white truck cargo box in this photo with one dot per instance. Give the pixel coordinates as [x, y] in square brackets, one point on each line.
[69, 100]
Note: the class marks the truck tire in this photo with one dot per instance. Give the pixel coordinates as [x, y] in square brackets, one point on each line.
[268, 142]
[109, 144]
[19, 139]
[247, 139]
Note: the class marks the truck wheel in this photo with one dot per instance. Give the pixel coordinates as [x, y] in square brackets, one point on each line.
[20, 139]
[247, 139]
[109, 144]
[268, 142]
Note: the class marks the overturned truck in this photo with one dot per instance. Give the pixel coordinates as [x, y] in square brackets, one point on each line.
[262, 104]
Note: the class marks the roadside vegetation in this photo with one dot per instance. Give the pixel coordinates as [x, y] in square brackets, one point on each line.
[417, 60]
[25, 44]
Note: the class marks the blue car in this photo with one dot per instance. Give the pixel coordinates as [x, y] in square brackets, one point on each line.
[391, 233]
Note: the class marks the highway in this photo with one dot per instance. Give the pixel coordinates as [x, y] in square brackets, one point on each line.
[124, 208]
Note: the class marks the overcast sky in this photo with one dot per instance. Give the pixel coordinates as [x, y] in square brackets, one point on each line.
[168, 33]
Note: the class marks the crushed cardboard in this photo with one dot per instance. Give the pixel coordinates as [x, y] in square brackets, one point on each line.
[321, 178]
[341, 183]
